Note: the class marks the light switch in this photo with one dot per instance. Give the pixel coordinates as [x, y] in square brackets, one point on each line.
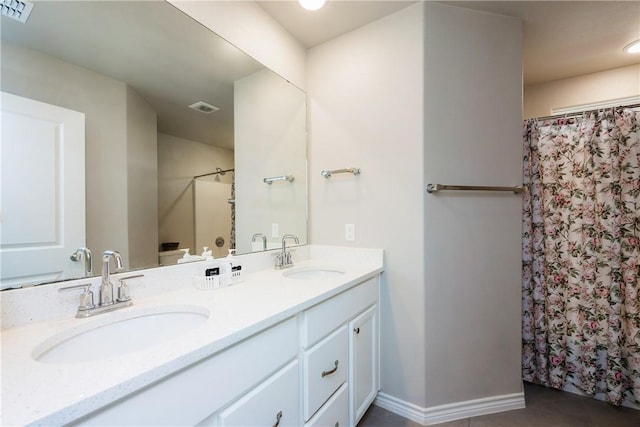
[349, 232]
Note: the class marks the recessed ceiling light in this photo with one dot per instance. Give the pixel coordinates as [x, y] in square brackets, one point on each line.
[311, 4]
[633, 47]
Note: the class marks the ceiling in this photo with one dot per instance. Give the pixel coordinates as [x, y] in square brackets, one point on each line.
[312, 28]
[561, 38]
[167, 57]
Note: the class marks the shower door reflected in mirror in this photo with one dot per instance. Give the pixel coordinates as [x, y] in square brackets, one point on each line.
[214, 212]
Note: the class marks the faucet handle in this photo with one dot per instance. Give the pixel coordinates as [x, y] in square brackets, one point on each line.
[123, 287]
[279, 260]
[86, 298]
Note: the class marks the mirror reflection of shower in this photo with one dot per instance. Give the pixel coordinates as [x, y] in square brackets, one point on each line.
[214, 211]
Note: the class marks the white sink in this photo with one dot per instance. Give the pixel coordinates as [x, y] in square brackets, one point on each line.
[313, 273]
[119, 333]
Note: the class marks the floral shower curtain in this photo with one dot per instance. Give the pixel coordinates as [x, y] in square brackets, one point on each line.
[581, 254]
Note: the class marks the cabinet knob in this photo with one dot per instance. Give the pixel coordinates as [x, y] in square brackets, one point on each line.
[337, 423]
[356, 330]
[278, 416]
[325, 373]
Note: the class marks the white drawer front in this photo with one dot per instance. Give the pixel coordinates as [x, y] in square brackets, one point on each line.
[320, 320]
[325, 369]
[275, 401]
[335, 413]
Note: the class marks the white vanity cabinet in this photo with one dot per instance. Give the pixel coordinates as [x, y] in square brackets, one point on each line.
[317, 368]
[328, 334]
[289, 348]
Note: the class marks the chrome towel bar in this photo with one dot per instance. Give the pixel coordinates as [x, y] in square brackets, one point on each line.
[278, 178]
[327, 174]
[434, 188]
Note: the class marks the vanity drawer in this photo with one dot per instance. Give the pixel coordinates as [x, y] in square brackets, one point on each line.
[335, 413]
[321, 319]
[274, 402]
[325, 369]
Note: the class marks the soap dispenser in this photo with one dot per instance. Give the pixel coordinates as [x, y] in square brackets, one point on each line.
[226, 266]
[186, 257]
[236, 268]
[207, 254]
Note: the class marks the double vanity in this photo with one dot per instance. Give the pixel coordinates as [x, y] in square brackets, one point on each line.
[287, 347]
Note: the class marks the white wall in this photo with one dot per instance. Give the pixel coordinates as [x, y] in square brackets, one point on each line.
[376, 103]
[365, 94]
[248, 27]
[410, 101]
[597, 87]
[142, 181]
[179, 160]
[271, 140]
[472, 262]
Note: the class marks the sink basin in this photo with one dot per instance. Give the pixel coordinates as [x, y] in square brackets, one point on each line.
[120, 333]
[313, 273]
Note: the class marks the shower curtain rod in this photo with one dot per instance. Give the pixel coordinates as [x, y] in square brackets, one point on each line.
[214, 173]
[572, 115]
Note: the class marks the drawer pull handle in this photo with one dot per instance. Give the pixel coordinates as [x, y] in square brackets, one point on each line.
[325, 373]
[356, 330]
[278, 416]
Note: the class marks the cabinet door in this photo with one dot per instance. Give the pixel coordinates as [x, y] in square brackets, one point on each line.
[364, 362]
[275, 402]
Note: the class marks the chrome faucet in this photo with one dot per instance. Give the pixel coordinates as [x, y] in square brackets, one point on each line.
[86, 254]
[264, 240]
[106, 302]
[283, 259]
[106, 288]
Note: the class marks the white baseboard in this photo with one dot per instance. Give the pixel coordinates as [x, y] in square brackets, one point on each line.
[451, 411]
[397, 406]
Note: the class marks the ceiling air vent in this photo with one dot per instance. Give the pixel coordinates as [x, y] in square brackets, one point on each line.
[203, 107]
[16, 9]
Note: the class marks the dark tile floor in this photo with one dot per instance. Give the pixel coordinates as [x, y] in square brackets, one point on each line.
[545, 408]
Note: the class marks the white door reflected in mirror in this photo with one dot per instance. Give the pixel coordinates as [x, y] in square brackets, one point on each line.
[43, 210]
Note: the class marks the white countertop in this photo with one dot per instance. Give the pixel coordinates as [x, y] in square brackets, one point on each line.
[53, 394]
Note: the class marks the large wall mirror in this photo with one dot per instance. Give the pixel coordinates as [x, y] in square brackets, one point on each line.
[129, 126]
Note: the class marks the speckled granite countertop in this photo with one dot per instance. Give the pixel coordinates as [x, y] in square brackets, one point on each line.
[37, 393]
